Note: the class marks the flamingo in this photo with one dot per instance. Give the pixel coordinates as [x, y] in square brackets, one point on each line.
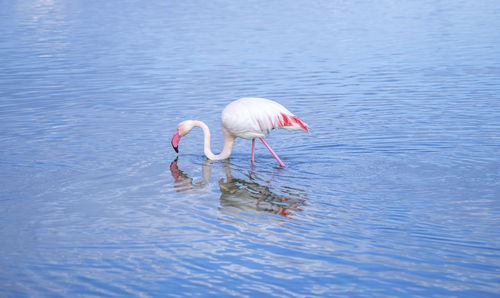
[246, 118]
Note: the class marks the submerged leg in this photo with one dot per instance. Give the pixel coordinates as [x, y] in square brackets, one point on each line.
[253, 150]
[272, 152]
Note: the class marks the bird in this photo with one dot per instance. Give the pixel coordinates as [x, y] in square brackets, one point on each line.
[247, 118]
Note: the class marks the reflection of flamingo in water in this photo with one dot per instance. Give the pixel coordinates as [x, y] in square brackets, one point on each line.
[183, 182]
[246, 196]
[247, 118]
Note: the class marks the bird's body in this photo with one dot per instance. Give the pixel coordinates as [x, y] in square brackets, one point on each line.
[247, 118]
[251, 118]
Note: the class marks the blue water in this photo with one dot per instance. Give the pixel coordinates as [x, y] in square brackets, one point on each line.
[395, 192]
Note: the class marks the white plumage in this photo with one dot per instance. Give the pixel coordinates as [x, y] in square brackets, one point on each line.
[252, 117]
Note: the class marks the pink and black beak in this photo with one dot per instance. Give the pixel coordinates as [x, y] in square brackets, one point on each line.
[175, 141]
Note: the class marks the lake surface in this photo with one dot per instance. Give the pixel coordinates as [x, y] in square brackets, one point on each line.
[395, 192]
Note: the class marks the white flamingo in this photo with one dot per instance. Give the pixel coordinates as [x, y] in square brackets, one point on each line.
[247, 118]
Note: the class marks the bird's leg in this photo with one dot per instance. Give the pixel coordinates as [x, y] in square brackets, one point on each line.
[272, 152]
[253, 150]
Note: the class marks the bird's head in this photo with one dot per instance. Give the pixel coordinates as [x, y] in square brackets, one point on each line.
[183, 129]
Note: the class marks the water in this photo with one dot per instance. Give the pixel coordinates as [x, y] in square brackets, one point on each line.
[394, 193]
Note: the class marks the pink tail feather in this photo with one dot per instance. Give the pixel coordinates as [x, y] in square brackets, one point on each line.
[286, 120]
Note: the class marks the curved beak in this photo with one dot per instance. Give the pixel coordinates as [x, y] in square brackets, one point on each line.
[175, 141]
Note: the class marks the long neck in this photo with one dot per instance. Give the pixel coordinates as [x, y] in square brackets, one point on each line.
[228, 142]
